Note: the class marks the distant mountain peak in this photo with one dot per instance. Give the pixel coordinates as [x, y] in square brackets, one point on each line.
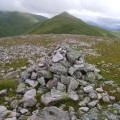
[65, 14]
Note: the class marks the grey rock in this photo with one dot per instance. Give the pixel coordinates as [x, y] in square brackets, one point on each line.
[105, 97]
[73, 95]
[12, 118]
[84, 109]
[88, 89]
[93, 103]
[53, 96]
[50, 113]
[73, 55]
[46, 74]
[52, 83]
[78, 74]
[61, 87]
[3, 92]
[84, 102]
[30, 93]
[23, 111]
[41, 81]
[65, 80]
[99, 89]
[25, 75]
[58, 69]
[29, 99]
[14, 104]
[34, 76]
[73, 85]
[32, 83]
[71, 70]
[21, 88]
[57, 57]
[93, 95]
[2, 109]
[90, 77]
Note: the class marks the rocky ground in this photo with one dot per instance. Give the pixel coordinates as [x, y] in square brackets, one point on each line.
[55, 83]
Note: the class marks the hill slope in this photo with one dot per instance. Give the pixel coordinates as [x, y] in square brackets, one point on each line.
[66, 23]
[16, 23]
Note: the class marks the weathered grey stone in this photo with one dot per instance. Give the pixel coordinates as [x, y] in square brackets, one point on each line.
[46, 74]
[52, 83]
[30, 93]
[73, 95]
[71, 70]
[23, 111]
[78, 74]
[34, 76]
[93, 103]
[32, 83]
[93, 95]
[90, 77]
[25, 75]
[41, 81]
[84, 109]
[21, 88]
[29, 99]
[73, 55]
[57, 57]
[3, 92]
[73, 85]
[58, 69]
[105, 97]
[65, 80]
[50, 113]
[84, 102]
[12, 118]
[53, 96]
[2, 109]
[99, 89]
[88, 89]
[61, 87]
[14, 104]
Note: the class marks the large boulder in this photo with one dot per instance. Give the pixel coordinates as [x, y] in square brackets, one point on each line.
[29, 99]
[73, 55]
[58, 69]
[50, 113]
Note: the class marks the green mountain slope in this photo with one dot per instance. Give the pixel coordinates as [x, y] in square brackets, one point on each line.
[66, 23]
[16, 23]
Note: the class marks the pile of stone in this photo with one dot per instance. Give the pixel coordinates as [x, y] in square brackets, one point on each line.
[20, 51]
[62, 75]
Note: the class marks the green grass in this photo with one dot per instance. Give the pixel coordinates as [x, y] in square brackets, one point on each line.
[17, 23]
[67, 24]
[16, 63]
[109, 51]
[8, 84]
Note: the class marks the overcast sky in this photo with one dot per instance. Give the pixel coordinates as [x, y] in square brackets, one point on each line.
[87, 9]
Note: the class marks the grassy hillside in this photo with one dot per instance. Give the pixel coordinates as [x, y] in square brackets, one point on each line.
[116, 33]
[65, 23]
[16, 23]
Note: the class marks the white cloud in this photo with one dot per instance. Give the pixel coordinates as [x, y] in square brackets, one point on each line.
[85, 9]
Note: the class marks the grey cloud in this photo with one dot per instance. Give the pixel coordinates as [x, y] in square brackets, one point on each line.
[51, 7]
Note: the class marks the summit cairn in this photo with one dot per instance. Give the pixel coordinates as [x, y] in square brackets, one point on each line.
[62, 75]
